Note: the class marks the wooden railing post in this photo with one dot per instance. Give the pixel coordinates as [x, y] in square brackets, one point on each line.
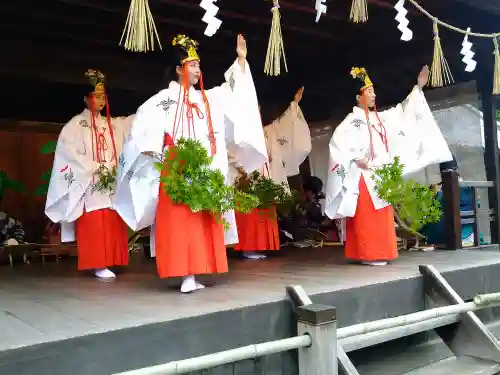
[451, 209]
[475, 210]
[484, 83]
[319, 322]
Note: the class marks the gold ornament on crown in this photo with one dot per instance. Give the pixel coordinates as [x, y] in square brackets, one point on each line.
[96, 79]
[189, 45]
[362, 75]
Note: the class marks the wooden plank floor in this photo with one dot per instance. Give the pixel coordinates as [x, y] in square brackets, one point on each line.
[53, 302]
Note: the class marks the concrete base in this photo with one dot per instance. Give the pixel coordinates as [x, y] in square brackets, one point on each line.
[377, 292]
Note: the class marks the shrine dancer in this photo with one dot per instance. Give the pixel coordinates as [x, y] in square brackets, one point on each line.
[225, 118]
[366, 140]
[288, 141]
[88, 146]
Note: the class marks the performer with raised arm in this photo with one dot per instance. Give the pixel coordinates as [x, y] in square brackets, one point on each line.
[366, 140]
[225, 118]
[88, 149]
[288, 141]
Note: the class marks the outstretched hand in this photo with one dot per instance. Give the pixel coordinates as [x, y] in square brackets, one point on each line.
[423, 77]
[362, 163]
[298, 96]
[241, 47]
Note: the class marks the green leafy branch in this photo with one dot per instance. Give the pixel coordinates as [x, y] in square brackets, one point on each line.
[187, 178]
[268, 193]
[47, 148]
[106, 180]
[414, 203]
[7, 183]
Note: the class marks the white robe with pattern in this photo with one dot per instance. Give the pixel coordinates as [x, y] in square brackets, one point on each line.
[72, 179]
[237, 127]
[288, 140]
[412, 134]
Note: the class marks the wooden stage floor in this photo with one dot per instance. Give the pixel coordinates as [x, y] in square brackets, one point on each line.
[48, 303]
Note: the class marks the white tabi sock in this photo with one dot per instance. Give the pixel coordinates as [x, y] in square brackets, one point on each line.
[374, 263]
[104, 273]
[189, 285]
[253, 255]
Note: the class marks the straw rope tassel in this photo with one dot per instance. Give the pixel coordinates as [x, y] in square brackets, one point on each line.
[359, 11]
[140, 29]
[275, 47]
[496, 76]
[440, 70]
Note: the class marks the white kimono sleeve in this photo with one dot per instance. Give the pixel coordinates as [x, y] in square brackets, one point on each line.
[138, 180]
[123, 126]
[413, 134]
[72, 173]
[343, 173]
[244, 133]
[231, 234]
[291, 133]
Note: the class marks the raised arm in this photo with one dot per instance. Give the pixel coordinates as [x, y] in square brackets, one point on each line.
[393, 116]
[241, 51]
[238, 98]
[291, 133]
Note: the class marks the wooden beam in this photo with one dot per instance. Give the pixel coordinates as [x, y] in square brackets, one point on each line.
[159, 20]
[121, 69]
[71, 66]
[487, 5]
[451, 209]
[452, 96]
[73, 37]
[31, 126]
[484, 73]
[252, 19]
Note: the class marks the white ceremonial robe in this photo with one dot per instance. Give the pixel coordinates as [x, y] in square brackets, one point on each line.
[412, 134]
[288, 140]
[124, 123]
[72, 179]
[237, 127]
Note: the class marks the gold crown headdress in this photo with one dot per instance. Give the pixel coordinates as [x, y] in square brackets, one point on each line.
[189, 45]
[96, 79]
[361, 75]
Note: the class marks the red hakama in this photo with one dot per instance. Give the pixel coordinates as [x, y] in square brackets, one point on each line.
[186, 242]
[370, 234]
[258, 230]
[102, 240]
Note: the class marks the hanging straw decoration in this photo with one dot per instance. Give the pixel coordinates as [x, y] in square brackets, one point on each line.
[275, 47]
[440, 70]
[439, 63]
[140, 29]
[359, 11]
[496, 69]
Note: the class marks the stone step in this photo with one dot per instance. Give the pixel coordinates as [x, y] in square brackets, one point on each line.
[458, 366]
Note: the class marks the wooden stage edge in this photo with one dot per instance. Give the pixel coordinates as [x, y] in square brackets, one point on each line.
[53, 302]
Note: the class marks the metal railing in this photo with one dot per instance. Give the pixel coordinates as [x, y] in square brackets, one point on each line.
[222, 358]
[454, 218]
[322, 347]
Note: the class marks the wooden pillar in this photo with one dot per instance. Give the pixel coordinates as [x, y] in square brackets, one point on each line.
[451, 210]
[320, 323]
[484, 81]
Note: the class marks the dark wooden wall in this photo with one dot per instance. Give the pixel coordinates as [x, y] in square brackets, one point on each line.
[21, 159]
